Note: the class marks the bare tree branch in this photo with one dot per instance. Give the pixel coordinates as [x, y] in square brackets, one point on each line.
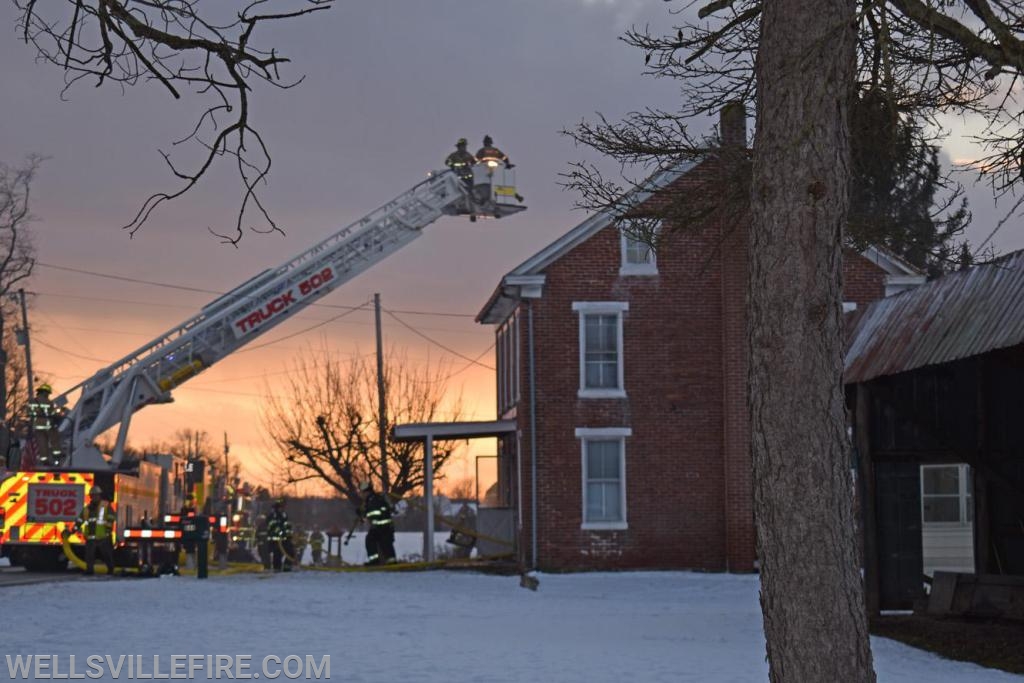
[184, 45]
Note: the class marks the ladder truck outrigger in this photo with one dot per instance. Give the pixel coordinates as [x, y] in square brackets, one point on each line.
[38, 505]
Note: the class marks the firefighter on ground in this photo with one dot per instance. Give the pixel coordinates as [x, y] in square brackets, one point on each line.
[262, 542]
[380, 539]
[188, 524]
[45, 420]
[96, 522]
[461, 161]
[316, 544]
[279, 537]
[298, 548]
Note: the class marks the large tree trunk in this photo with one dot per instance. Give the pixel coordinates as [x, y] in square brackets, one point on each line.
[811, 590]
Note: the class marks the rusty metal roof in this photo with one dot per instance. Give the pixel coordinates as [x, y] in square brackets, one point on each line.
[963, 314]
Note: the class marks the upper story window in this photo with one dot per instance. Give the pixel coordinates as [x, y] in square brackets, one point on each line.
[946, 494]
[604, 477]
[638, 257]
[507, 344]
[601, 358]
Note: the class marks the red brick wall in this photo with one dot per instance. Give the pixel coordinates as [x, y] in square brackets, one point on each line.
[863, 281]
[689, 490]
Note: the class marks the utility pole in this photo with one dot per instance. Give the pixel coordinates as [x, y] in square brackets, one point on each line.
[381, 404]
[227, 470]
[23, 338]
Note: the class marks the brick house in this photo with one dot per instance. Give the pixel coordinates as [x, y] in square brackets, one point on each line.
[635, 363]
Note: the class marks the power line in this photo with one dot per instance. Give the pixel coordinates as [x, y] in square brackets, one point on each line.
[154, 283]
[70, 353]
[303, 331]
[122, 278]
[434, 341]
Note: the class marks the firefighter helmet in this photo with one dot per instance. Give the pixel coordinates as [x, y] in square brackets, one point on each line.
[461, 143]
[488, 141]
[96, 492]
[44, 388]
[365, 485]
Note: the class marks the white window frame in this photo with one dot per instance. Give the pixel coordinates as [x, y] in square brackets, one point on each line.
[585, 308]
[586, 434]
[964, 496]
[628, 268]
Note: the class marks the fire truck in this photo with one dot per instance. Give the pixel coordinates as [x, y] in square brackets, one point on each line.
[37, 503]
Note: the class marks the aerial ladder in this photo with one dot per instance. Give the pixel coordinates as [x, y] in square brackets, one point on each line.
[148, 374]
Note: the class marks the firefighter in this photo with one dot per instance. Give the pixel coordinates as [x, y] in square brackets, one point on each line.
[146, 547]
[380, 539]
[96, 522]
[461, 161]
[279, 536]
[45, 420]
[316, 543]
[188, 526]
[298, 548]
[262, 542]
[491, 155]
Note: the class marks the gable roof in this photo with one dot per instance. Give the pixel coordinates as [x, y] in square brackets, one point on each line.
[963, 314]
[529, 273]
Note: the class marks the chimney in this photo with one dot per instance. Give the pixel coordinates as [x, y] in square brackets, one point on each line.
[732, 126]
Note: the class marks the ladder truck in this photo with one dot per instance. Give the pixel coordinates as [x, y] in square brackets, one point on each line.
[37, 504]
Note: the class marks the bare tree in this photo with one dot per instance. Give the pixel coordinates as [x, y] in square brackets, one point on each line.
[207, 49]
[17, 259]
[325, 424]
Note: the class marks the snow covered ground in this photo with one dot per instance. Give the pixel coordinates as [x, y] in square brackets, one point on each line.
[433, 626]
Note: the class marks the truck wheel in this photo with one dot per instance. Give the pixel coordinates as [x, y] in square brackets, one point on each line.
[43, 560]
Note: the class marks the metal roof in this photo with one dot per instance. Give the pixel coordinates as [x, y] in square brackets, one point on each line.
[959, 315]
[418, 431]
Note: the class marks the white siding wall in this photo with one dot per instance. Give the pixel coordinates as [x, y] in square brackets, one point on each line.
[947, 547]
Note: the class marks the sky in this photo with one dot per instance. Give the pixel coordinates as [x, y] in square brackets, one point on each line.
[434, 627]
[389, 86]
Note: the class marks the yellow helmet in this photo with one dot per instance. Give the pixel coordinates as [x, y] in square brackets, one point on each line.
[44, 388]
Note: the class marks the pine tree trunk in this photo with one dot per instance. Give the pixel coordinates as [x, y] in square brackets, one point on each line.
[811, 590]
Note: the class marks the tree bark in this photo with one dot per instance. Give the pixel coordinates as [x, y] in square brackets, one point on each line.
[811, 590]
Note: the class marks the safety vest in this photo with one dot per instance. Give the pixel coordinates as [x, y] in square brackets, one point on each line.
[97, 523]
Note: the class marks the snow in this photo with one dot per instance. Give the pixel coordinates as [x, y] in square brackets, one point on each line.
[438, 626]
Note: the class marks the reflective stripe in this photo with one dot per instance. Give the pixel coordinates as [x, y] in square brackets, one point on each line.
[381, 522]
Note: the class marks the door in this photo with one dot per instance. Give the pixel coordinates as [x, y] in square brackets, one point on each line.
[898, 514]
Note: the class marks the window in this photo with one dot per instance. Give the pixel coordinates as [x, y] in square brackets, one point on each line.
[508, 363]
[638, 256]
[946, 494]
[604, 477]
[601, 365]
